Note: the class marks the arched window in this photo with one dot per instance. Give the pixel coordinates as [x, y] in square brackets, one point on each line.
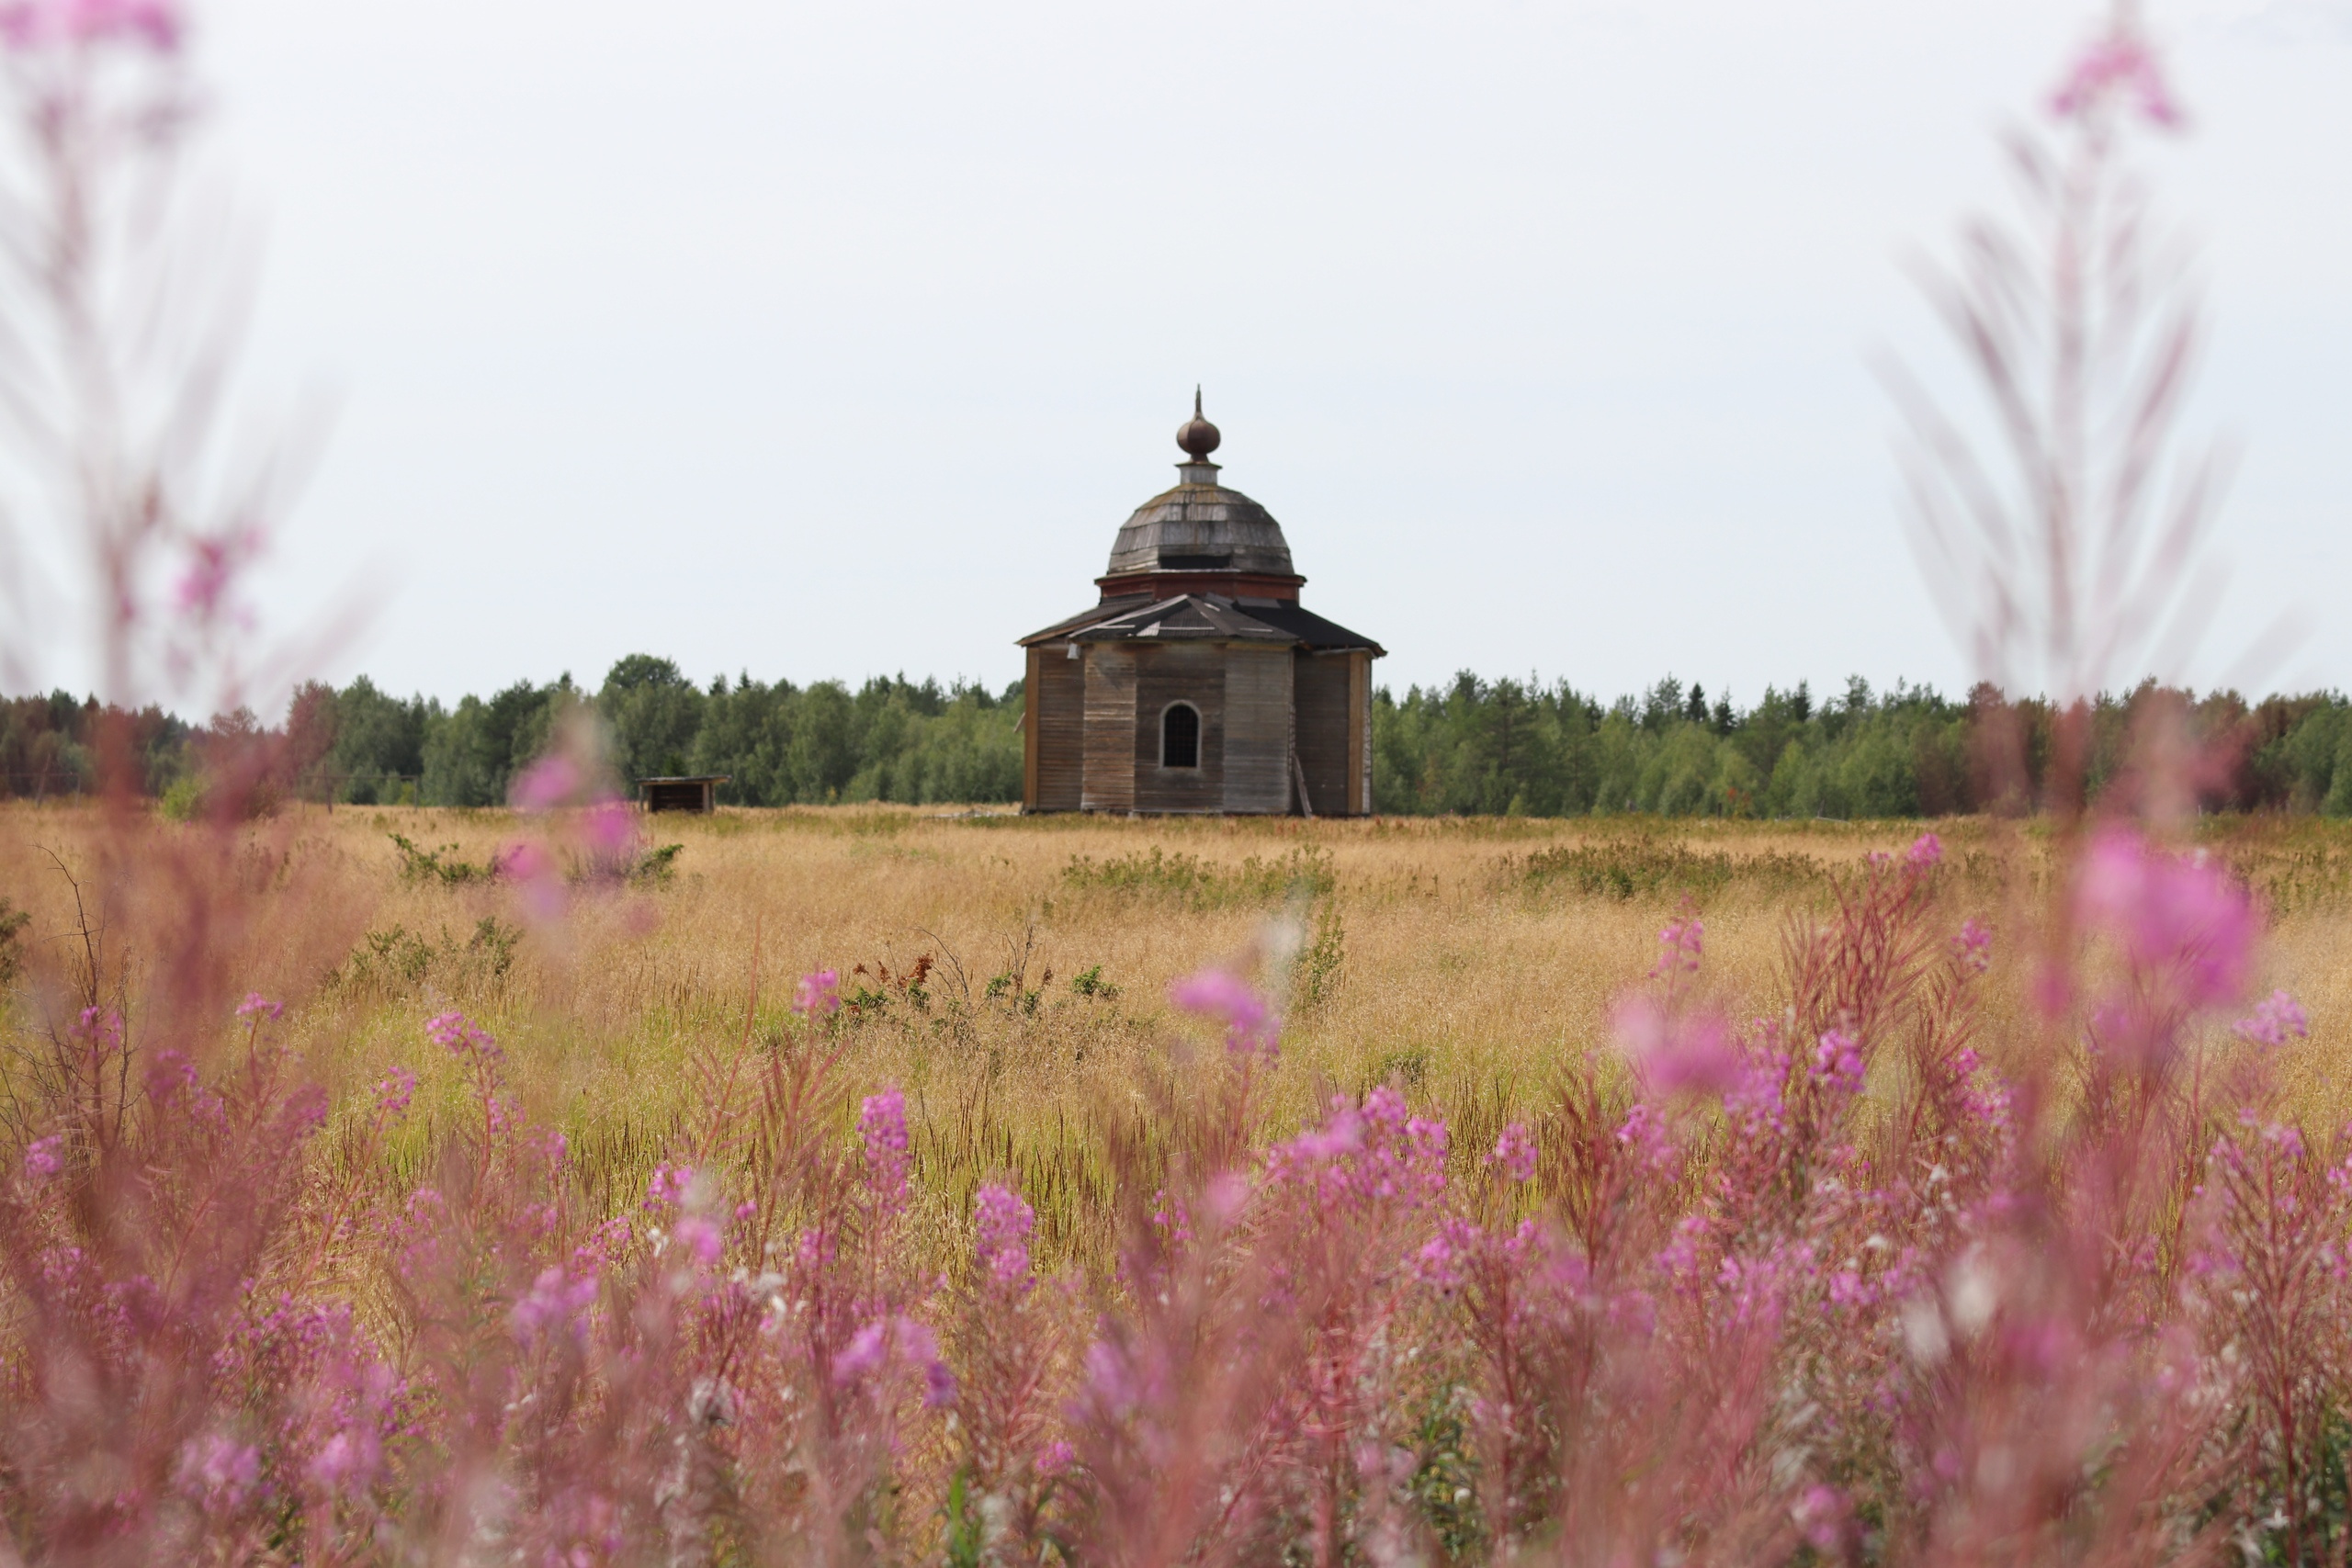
[1180, 736]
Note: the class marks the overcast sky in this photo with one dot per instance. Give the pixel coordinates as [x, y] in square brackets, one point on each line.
[837, 339]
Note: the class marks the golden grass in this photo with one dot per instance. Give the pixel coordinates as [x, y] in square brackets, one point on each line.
[1476, 958]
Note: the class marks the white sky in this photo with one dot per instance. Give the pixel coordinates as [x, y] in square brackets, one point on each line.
[837, 339]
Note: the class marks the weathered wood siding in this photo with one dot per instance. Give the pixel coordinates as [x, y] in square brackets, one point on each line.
[1257, 728]
[1053, 739]
[1174, 672]
[1324, 731]
[1360, 732]
[1110, 728]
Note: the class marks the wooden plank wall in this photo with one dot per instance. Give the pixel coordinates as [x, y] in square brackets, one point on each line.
[1360, 732]
[1172, 672]
[1257, 728]
[1110, 728]
[1055, 741]
[1324, 731]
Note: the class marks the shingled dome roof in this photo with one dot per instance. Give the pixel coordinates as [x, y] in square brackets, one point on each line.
[1200, 525]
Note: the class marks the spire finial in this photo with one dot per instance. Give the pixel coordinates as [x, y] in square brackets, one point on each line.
[1197, 436]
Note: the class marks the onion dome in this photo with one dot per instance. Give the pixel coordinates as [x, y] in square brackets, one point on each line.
[1197, 436]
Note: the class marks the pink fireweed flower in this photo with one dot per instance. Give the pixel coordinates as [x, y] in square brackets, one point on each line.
[1975, 945]
[2119, 66]
[2275, 1019]
[2181, 916]
[1514, 1152]
[44, 1157]
[1839, 1056]
[1056, 1458]
[101, 1027]
[882, 1127]
[393, 1094]
[1683, 943]
[1436, 1264]
[1250, 1028]
[670, 1187]
[899, 1341]
[453, 1033]
[817, 993]
[155, 25]
[1926, 851]
[546, 783]
[255, 1005]
[1004, 1223]
[1646, 1137]
[1366, 1157]
[1675, 1052]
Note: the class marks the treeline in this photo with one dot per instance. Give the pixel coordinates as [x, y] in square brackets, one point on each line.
[1475, 746]
[779, 744]
[1508, 746]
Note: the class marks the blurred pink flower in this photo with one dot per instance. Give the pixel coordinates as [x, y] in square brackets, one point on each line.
[557, 1303]
[1004, 1223]
[2118, 66]
[215, 563]
[1055, 1457]
[546, 783]
[255, 1005]
[817, 993]
[453, 1033]
[347, 1461]
[1926, 851]
[1674, 1052]
[882, 1125]
[669, 1186]
[1975, 945]
[1684, 942]
[700, 1236]
[899, 1341]
[862, 1354]
[218, 1470]
[102, 1027]
[43, 1157]
[393, 1094]
[1514, 1152]
[1822, 1514]
[2274, 1021]
[2182, 917]
[1839, 1055]
[1250, 1028]
[158, 24]
[610, 828]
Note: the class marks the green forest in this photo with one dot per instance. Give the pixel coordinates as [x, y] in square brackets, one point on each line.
[1474, 745]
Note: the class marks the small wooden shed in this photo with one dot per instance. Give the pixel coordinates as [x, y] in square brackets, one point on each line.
[696, 793]
[1197, 682]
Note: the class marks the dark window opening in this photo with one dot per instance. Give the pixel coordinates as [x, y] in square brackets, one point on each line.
[1180, 737]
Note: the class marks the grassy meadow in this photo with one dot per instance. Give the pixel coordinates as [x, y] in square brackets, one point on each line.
[1470, 962]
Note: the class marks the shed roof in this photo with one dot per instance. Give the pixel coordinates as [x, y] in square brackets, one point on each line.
[1203, 617]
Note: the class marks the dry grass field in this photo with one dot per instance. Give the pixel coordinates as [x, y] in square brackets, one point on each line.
[1470, 962]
